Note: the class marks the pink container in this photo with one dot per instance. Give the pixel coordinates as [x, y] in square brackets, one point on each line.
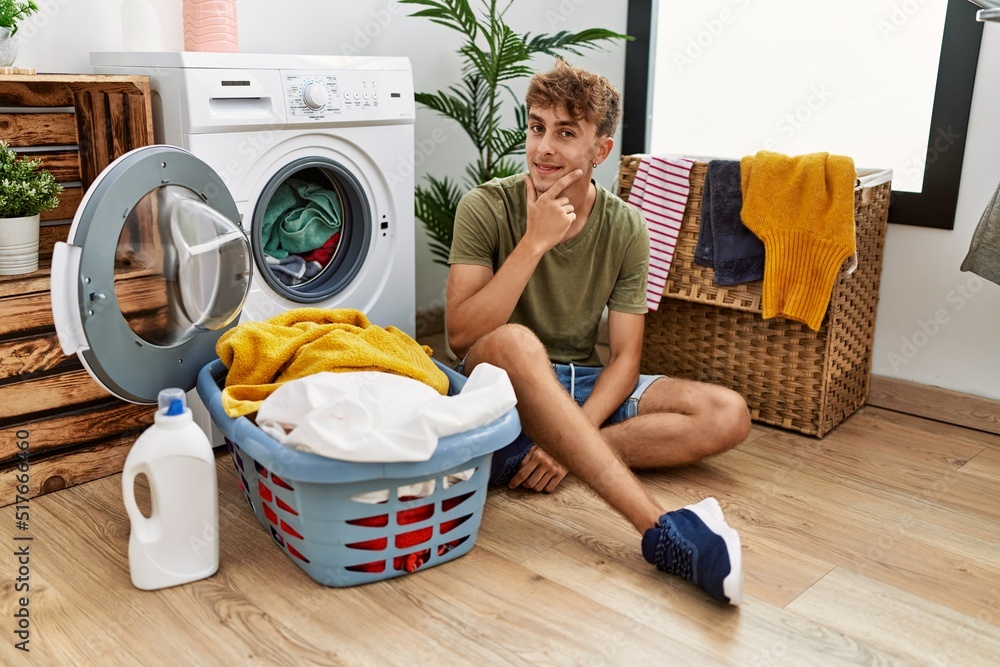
[210, 25]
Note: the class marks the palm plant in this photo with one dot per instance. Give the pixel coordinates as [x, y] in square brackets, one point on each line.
[492, 56]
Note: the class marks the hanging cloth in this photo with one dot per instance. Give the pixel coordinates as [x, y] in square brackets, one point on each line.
[725, 243]
[660, 191]
[802, 208]
[983, 258]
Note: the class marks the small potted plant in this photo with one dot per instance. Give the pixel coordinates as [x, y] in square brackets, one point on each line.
[25, 191]
[11, 12]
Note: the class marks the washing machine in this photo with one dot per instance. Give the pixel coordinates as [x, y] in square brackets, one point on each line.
[332, 134]
[168, 248]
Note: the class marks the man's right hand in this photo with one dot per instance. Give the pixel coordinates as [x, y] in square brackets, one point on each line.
[538, 472]
[550, 215]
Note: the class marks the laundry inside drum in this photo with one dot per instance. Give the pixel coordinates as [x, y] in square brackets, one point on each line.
[303, 227]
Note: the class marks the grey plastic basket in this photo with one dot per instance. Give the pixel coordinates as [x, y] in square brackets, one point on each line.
[309, 504]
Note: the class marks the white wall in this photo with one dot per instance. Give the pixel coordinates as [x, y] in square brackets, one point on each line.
[936, 325]
[60, 38]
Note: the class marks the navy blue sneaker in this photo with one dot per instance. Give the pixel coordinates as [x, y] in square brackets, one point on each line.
[697, 544]
[507, 461]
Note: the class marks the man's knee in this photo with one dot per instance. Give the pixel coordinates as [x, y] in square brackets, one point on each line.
[731, 418]
[510, 345]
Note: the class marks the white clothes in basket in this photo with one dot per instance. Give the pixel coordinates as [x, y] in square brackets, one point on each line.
[376, 417]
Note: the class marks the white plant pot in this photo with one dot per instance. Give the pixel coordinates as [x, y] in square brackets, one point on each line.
[19, 245]
[8, 47]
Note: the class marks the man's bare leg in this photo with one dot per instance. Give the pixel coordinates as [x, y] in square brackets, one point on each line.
[694, 542]
[680, 422]
[551, 417]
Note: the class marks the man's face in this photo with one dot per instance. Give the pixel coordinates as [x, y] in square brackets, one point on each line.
[557, 144]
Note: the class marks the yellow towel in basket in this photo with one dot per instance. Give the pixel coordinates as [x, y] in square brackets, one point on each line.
[802, 208]
[262, 355]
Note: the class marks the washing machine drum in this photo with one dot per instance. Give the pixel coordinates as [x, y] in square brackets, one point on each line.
[310, 230]
[155, 269]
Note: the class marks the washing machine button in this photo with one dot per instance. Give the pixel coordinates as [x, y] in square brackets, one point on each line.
[314, 95]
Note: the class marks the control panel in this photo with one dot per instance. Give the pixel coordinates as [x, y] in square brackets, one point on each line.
[312, 96]
[346, 95]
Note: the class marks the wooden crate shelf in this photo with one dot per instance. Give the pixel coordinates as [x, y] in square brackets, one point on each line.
[76, 125]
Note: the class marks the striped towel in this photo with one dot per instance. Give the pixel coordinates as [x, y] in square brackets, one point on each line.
[660, 191]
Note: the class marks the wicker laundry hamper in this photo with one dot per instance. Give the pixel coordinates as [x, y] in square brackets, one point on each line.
[790, 376]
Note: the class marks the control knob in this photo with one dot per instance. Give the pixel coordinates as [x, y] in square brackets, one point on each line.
[314, 95]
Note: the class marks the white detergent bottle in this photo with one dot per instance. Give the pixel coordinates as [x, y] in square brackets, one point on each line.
[152, 25]
[179, 541]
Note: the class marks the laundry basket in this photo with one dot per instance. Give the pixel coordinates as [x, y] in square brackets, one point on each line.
[792, 377]
[346, 523]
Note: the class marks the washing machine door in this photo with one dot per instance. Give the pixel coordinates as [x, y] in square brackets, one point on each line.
[156, 268]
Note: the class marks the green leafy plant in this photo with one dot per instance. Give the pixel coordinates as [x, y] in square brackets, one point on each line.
[24, 188]
[12, 11]
[492, 56]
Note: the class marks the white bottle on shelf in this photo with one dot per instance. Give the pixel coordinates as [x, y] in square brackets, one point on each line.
[152, 25]
[179, 541]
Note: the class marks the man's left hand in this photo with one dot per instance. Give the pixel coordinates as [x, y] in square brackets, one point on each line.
[538, 472]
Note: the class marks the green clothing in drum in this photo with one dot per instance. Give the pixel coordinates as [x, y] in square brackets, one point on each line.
[605, 264]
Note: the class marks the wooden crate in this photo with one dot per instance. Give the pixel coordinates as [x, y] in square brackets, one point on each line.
[77, 125]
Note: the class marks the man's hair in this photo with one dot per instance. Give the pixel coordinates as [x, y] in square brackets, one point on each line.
[583, 94]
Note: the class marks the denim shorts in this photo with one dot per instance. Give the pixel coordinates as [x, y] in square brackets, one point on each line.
[578, 381]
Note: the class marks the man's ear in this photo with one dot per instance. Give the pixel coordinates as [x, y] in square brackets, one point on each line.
[604, 146]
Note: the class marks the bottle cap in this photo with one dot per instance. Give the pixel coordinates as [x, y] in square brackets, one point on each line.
[172, 402]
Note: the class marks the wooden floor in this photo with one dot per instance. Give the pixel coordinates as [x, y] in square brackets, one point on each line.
[878, 545]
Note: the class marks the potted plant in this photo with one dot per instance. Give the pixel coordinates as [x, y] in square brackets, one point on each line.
[492, 55]
[25, 191]
[11, 12]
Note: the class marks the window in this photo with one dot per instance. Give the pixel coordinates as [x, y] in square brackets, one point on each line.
[888, 82]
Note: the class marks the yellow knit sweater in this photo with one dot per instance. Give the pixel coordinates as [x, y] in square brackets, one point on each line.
[802, 208]
[262, 355]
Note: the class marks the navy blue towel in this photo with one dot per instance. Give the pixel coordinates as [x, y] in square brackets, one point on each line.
[724, 242]
[704, 250]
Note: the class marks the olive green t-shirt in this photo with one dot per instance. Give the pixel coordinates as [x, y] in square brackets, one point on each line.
[605, 264]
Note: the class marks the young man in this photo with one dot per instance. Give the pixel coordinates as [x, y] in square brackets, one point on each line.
[534, 261]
